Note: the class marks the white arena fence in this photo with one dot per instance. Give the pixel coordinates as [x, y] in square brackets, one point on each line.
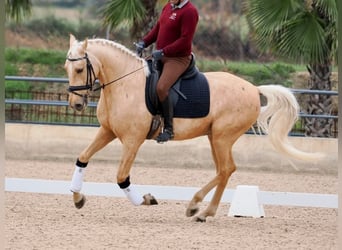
[245, 200]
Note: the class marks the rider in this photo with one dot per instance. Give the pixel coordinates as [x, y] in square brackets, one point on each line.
[173, 35]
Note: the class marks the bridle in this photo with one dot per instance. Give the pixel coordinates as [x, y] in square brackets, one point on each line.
[91, 77]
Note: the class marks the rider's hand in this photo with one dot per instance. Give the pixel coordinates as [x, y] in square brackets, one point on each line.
[140, 46]
[157, 54]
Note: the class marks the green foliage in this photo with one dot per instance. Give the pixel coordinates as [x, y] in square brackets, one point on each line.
[13, 88]
[51, 25]
[303, 31]
[211, 65]
[61, 3]
[11, 69]
[34, 61]
[88, 30]
[17, 9]
[256, 73]
[261, 74]
[34, 56]
[116, 12]
[18, 90]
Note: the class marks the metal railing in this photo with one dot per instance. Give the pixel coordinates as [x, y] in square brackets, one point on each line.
[46, 110]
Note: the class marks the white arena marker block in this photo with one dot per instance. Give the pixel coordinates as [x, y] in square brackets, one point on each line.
[245, 202]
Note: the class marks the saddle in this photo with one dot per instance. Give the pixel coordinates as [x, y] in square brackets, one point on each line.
[189, 94]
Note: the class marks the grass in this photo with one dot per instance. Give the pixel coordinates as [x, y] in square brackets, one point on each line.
[34, 62]
[34, 56]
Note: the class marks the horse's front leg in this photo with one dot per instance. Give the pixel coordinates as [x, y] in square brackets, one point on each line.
[130, 149]
[102, 138]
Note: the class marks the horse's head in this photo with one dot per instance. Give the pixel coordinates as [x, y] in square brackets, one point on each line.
[81, 73]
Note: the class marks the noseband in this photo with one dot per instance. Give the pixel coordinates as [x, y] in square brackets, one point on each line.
[91, 78]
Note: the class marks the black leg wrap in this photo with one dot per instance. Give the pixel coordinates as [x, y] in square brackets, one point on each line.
[125, 184]
[81, 164]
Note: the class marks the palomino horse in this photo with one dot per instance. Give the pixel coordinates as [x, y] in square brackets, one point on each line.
[122, 113]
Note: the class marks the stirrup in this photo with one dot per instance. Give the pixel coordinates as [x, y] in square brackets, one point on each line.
[166, 135]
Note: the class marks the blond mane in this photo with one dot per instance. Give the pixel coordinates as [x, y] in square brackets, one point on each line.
[121, 48]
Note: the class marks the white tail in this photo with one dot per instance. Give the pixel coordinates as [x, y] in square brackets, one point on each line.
[277, 118]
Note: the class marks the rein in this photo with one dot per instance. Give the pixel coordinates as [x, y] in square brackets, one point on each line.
[117, 79]
[90, 74]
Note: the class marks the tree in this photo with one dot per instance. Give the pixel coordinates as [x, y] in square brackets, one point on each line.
[303, 31]
[138, 15]
[17, 9]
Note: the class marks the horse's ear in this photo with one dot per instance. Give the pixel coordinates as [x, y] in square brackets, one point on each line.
[85, 44]
[72, 40]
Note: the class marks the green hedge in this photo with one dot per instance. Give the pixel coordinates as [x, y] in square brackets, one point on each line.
[256, 73]
[34, 56]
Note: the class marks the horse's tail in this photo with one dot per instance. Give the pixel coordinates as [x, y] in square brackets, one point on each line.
[277, 119]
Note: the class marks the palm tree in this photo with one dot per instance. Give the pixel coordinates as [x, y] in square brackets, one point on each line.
[304, 31]
[138, 15]
[17, 9]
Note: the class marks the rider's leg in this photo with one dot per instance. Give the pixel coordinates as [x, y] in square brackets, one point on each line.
[173, 68]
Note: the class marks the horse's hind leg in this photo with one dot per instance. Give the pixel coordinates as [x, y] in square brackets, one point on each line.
[225, 166]
[102, 138]
[199, 196]
[223, 175]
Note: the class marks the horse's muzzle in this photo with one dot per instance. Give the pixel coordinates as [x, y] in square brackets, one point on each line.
[79, 104]
[79, 107]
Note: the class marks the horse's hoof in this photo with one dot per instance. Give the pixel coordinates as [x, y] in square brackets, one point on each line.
[79, 200]
[81, 203]
[149, 200]
[191, 212]
[200, 219]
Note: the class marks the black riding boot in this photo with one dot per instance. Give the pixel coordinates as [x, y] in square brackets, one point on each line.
[167, 133]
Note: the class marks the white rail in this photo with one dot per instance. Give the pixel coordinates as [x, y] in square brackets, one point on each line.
[168, 192]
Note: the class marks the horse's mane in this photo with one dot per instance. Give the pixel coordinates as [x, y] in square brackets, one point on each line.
[120, 47]
[115, 45]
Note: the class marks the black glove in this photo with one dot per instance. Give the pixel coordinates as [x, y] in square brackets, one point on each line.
[157, 54]
[140, 46]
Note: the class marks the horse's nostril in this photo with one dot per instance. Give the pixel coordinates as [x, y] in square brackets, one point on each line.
[78, 107]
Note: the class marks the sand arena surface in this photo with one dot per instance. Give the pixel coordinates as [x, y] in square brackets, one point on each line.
[44, 221]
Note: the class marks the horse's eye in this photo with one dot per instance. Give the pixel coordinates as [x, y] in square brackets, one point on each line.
[78, 71]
